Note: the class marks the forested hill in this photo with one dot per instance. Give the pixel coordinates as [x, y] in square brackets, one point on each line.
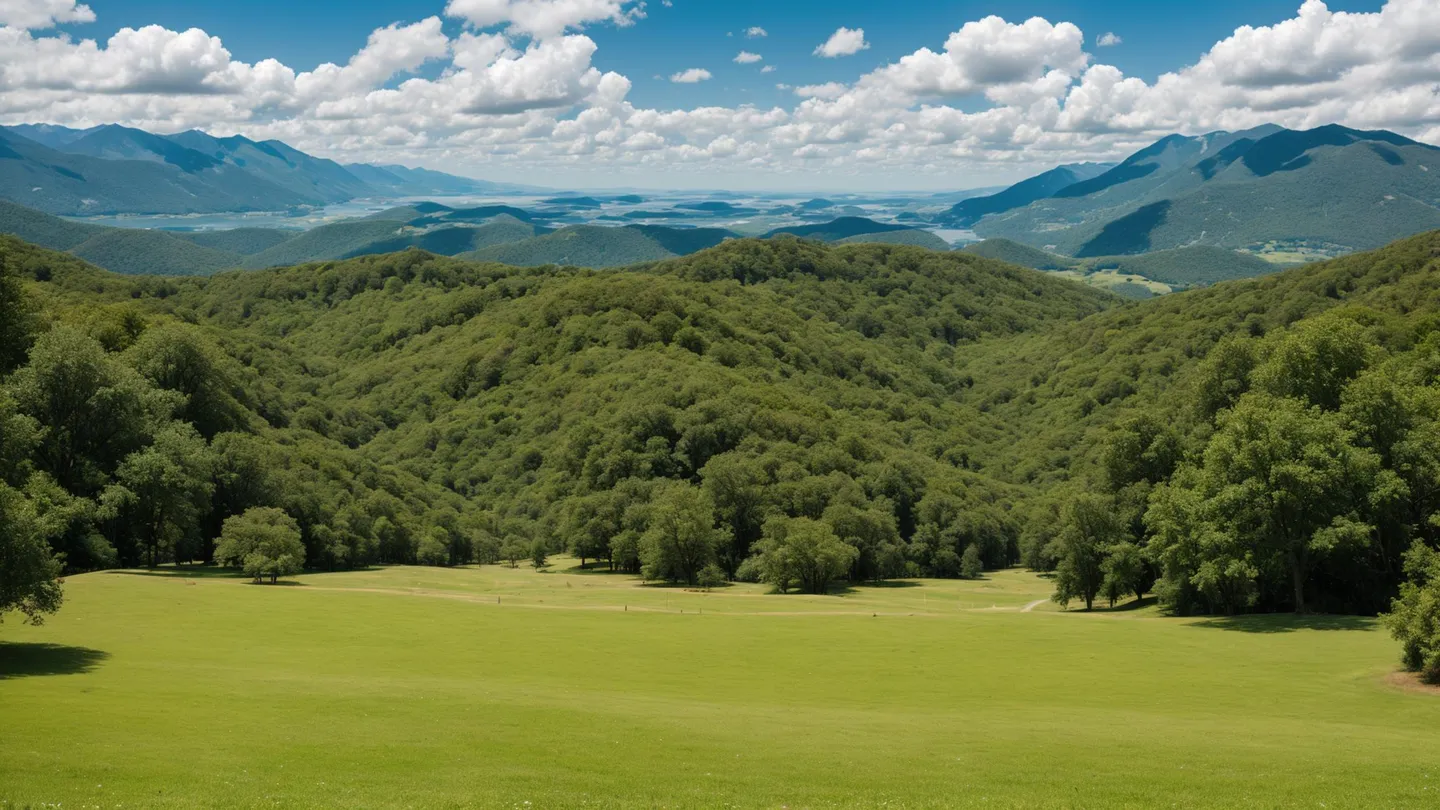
[409, 402]
[1265, 444]
[411, 408]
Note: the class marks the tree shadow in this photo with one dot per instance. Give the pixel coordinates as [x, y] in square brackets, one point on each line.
[1286, 623]
[888, 583]
[212, 572]
[21, 660]
[183, 572]
[1126, 607]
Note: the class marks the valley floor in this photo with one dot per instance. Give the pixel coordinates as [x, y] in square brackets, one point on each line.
[494, 687]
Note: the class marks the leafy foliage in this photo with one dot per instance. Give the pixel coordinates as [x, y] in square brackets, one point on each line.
[264, 541]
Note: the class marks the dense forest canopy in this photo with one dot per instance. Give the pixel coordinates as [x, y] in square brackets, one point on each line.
[780, 410]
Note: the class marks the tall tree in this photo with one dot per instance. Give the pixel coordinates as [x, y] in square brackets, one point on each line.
[16, 318]
[736, 485]
[681, 538]
[162, 492]
[1286, 483]
[29, 572]
[1091, 527]
[94, 410]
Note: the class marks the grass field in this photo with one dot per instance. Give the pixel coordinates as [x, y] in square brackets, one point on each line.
[415, 688]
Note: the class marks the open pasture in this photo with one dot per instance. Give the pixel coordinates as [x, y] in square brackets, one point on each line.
[414, 687]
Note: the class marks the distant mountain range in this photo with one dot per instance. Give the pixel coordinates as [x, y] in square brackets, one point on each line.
[494, 233]
[1323, 191]
[118, 170]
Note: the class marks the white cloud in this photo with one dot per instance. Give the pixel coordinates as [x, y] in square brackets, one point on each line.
[829, 90]
[768, 69]
[545, 18]
[520, 99]
[844, 42]
[1108, 39]
[691, 76]
[748, 58]
[38, 14]
[756, 32]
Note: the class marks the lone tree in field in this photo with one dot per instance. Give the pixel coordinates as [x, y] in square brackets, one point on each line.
[803, 552]
[29, 573]
[264, 541]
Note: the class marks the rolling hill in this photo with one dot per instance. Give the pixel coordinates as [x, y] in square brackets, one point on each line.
[913, 236]
[240, 241]
[842, 228]
[121, 250]
[579, 246]
[1331, 190]
[453, 240]
[135, 251]
[325, 242]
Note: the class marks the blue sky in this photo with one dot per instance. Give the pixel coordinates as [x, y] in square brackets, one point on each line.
[946, 94]
[1157, 36]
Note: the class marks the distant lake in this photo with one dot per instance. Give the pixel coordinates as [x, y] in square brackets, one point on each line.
[302, 219]
[761, 217]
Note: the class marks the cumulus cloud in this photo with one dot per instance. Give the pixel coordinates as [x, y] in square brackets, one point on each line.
[545, 18]
[844, 42]
[691, 76]
[748, 58]
[1108, 39]
[756, 32]
[38, 14]
[768, 69]
[829, 90]
[516, 94]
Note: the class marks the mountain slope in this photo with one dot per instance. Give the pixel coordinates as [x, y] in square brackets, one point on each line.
[1330, 189]
[135, 251]
[309, 179]
[56, 182]
[967, 212]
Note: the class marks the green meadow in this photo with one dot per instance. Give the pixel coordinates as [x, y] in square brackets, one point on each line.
[498, 687]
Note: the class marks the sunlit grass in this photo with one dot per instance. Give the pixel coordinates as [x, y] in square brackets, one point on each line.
[495, 687]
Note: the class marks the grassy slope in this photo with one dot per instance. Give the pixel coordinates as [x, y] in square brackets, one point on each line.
[329, 694]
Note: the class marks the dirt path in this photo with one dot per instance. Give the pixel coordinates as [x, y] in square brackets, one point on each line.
[1033, 605]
